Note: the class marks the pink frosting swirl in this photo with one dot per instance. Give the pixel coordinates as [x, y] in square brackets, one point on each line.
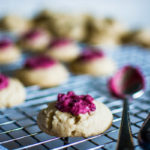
[39, 62]
[4, 81]
[91, 54]
[75, 104]
[32, 34]
[5, 43]
[60, 42]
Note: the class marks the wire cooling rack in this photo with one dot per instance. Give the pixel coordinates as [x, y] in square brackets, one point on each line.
[18, 125]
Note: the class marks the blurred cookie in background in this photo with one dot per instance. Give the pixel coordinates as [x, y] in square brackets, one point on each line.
[94, 62]
[68, 26]
[82, 27]
[105, 31]
[128, 37]
[9, 52]
[35, 40]
[142, 37]
[62, 49]
[15, 24]
[42, 20]
[12, 92]
[42, 71]
[62, 25]
[139, 37]
[79, 27]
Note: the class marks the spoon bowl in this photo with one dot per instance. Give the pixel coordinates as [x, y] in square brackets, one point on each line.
[128, 81]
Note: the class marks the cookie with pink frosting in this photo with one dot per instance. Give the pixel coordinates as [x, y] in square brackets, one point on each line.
[35, 40]
[12, 92]
[42, 71]
[64, 50]
[9, 53]
[74, 115]
[94, 62]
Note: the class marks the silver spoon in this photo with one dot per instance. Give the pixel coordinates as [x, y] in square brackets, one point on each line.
[128, 83]
[144, 134]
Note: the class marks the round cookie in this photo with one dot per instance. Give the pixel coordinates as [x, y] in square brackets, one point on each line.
[137, 37]
[128, 37]
[93, 62]
[12, 92]
[42, 20]
[15, 24]
[35, 40]
[142, 37]
[64, 50]
[9, 53]
[62, 25]
[85, 117]
[68, 26]
[105, 31]
[42, 71]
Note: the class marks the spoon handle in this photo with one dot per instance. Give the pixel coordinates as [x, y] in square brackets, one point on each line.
[144, 134]
[125, 140]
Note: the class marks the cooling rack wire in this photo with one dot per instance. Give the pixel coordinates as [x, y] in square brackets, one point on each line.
[18, 125]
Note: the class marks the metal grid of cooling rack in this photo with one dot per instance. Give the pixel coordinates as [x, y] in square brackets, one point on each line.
[19, 130]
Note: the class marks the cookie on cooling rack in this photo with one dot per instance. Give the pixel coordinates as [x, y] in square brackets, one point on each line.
[9, 53]
[92, 61]
[15, 24]
[75, 115]
[69, 26]
[35, 40]
[106, 31]
[12, 92]
[64, 50]
[142, 37]
[42, 71]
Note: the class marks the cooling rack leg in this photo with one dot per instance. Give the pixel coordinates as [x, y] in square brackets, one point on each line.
[66, 140]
